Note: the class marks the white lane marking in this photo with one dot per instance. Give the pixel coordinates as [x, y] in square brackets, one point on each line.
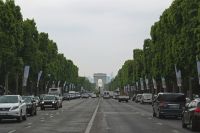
[159, 123]
[150, 118]
[89, 126]
[28, 127]
[42, 120]
[12, 131]
[175, 131]
[29, 123]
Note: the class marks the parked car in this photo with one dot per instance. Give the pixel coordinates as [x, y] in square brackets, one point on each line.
[146, 98]
[12, 107]
[93, 95]
[49, 101]
[84, 95]
[191, 115]
[30, 104]
[168, 104]
[138, 98]
[66, 96]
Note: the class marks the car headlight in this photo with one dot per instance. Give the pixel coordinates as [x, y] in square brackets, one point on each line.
[53, 102]
[15, 107]
[42, 102]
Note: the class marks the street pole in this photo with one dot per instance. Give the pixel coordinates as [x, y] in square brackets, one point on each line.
[190, 87]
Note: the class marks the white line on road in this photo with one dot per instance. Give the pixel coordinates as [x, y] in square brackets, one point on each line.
[89, 126]
[175, 131]
[12, 131]
[159, 123]
[27, 126]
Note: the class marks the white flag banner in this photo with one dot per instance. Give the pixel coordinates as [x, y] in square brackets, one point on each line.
[147, 83]
[64, 84]
[26, 73]
[58, 83]
[154, 84]
[142, 84]
[137, 86]
[163, 82]
[198, 69]
[39, 76]
[178, 76]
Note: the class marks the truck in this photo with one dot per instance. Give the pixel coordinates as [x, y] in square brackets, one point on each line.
[123, 98]
[55, 91]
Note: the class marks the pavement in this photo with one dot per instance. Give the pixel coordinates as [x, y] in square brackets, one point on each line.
[95, 116]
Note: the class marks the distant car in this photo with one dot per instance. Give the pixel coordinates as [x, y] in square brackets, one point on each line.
[93, 95]
[49, 101]
[30, 104]
[66, 96]
[84, 95]
[138, 98]
[123, 98]
[146, 98]
[168, 104]
[106, 95]
[12, 107]
[191, 115]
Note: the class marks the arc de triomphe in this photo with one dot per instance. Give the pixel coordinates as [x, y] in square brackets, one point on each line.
[101, 76]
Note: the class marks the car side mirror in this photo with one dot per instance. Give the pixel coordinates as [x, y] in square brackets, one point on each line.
[22, 101]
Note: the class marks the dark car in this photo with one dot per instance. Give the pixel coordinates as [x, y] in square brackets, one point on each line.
[191, 115]
[31, 107]
[168, 104]
[49, 101]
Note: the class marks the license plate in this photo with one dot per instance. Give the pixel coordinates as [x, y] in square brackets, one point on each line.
[174, 106]
[3, 113]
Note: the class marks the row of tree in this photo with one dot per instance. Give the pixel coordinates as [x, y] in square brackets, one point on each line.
[175, 41]
[21, 44]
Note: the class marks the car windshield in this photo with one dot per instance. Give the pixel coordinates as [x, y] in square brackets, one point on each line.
[198, 105]
[172, 98]
[27, 99]
[9, 99]
[49, 97]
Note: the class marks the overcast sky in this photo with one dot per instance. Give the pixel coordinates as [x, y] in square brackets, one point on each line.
[97, 35]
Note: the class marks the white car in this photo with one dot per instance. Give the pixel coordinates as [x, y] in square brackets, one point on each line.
[146, 98]
[12, 107]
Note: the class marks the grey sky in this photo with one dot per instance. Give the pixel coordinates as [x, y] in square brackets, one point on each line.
[98, 35]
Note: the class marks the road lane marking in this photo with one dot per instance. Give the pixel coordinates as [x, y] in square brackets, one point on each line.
[159, 123]
[89, 126]
[175, 131]
[29, 123]
[27, 126]
[12, 131]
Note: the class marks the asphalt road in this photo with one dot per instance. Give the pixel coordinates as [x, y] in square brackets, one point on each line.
[95, 116]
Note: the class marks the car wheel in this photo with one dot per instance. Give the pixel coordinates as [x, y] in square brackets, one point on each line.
[127, 101]
[194, 125]
[154, 114]
[25, 116]
[32, 113]
[119, 101]
[183, 123]
[19, 119]
[35, 112]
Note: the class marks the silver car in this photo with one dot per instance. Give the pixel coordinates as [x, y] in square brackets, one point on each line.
[12, 107]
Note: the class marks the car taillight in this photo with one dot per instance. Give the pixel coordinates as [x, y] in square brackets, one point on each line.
[163, 104]
[197, 110]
